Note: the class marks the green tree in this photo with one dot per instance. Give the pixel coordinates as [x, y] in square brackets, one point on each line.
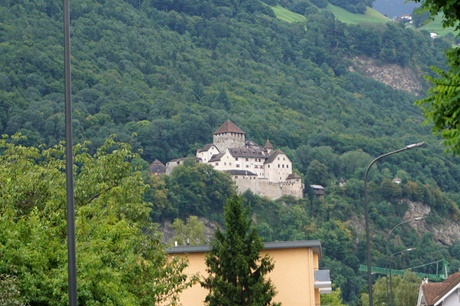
[442, 104]
[332, 299]
[9, 291]
[237, 272]
[119, 255]
[317, 173]
[190, 233]
[405, 290]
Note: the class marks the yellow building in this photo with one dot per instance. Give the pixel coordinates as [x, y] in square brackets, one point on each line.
[296, 275]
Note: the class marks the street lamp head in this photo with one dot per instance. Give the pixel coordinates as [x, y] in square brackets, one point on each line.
[419, 218]
[415, 145]
[411, 249]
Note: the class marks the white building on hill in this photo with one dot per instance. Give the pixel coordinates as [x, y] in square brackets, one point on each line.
[264, 171]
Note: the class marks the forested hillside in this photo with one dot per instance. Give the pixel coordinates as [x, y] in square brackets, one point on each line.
[163, 75]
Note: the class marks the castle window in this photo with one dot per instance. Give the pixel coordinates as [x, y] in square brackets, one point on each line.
[283, 166]
[237, 165]
[268, 166]
[217, 164]
[236, 158]
[229, 164]
[246, 159]
[247, 166]
[278, 165]
[225, 164]
[287, 166]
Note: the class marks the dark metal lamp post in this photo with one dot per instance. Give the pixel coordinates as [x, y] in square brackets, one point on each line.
[366, 215]
[389, 268]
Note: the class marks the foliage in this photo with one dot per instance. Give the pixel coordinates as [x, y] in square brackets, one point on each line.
[9, 291]
[237, 272]
[120, 258]
[189, 233]
[332, 299]
[405, 290]
[449, 8]
[191, 189]
[442, 105]
[163, 75]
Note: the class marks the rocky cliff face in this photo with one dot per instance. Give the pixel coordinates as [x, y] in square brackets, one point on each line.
[446, 233]
[400, 78]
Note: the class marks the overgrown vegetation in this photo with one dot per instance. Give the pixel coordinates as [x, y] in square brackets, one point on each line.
[163, 75]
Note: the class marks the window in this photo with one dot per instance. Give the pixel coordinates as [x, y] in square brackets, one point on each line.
[283, 166]
[236, 158]
[278, 165]
[217, 164]
[246, 159]
[237, 165]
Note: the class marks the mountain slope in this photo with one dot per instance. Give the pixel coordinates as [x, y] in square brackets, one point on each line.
[163, 75]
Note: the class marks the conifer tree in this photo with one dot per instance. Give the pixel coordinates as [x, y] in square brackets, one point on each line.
[237, 272]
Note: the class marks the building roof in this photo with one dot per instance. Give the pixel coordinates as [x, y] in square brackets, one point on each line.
[268, 145]
[207, 147]
[293, 176]
[255, 152]
[157, 167]
[228, 127]
[178, 160]
[434, 293]
[314, 244]
[216, 157]
[273, 155]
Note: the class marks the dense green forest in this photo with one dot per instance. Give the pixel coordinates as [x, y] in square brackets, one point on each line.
[163, 75]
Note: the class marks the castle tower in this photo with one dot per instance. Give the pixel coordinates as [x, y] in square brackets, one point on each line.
[268, 146]
[228, 135]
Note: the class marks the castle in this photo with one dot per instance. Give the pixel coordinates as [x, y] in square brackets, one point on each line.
[263, 170]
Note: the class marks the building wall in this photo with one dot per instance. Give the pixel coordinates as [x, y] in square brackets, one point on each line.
[228, 140]
[206, 155]
[293, 277]
[452, 300]
[279, 169]
[271, 190]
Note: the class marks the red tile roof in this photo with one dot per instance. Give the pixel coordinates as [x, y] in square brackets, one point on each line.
[433, 292]
[228, 127]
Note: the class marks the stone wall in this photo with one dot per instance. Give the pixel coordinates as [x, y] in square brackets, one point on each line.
[269, 189]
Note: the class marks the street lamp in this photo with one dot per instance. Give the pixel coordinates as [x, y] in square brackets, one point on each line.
[394, 227]
[71, 251]
[366, 215]
[389, 268]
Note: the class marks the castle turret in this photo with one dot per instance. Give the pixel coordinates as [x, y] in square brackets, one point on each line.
[268, 146]
[228, 135]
